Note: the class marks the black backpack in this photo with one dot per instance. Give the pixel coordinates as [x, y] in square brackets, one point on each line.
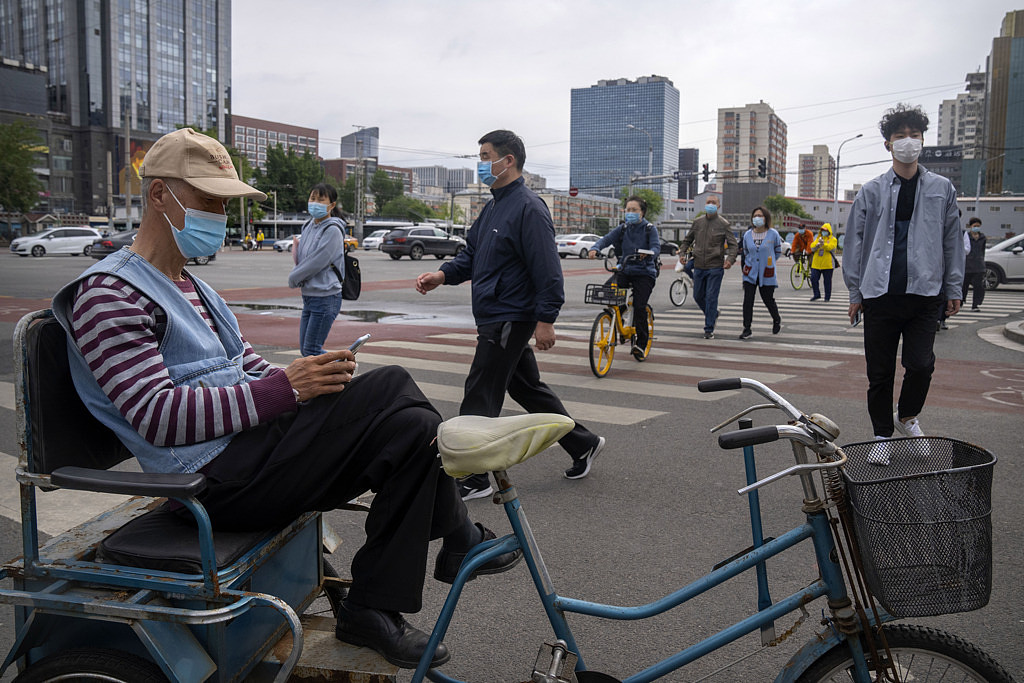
[352, 283]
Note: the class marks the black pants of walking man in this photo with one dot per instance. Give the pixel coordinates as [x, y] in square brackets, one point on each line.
[887, 319]
[504, 362]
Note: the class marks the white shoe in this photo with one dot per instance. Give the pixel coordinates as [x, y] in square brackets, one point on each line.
[880, 451]
[909, 428]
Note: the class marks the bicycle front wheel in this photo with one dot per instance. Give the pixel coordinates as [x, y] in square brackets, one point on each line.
[650, 331]
[602, 343]
[797, 275]
[920, 654]
[679, 291]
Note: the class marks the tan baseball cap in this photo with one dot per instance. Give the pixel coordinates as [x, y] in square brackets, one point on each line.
[200, 161]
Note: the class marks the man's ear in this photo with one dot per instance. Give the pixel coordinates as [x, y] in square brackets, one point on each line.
[158, 195]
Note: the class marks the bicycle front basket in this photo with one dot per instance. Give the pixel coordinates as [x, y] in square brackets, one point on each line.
[605, 295]
[923, 523]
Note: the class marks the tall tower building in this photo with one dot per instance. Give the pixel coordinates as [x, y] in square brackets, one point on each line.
[370, 140]
[746, 134]
[1004, 109]
[817, 174]
[962, 120]
[620, 129]
[150, 66]
[689, 162]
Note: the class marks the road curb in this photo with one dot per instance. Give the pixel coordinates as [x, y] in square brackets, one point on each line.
[1014, 331]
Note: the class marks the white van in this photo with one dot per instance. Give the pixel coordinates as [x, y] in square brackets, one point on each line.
[76, 240]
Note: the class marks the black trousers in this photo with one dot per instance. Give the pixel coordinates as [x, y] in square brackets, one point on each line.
[767, 296]
[887, 319]
[977, 281]
[504, 362]
[642, 286]
[376, 435]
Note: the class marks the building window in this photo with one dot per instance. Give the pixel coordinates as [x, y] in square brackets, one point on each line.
[1018, 208]
[993, 208]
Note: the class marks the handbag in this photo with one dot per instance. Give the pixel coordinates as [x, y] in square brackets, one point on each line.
[352, 283]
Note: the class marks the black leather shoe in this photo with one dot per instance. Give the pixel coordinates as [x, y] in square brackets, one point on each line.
[776, 326]
[388, 633]
[447, 565]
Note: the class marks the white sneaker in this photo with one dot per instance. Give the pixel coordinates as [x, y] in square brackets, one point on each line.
[880, 451]
[909, 428]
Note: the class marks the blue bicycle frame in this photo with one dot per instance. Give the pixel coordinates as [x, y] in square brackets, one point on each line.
[816, 529]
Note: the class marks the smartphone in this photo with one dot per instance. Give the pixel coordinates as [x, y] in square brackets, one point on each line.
[358, 342]
[856, 319]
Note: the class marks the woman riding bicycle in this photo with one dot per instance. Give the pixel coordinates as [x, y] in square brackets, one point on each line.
[634, 233]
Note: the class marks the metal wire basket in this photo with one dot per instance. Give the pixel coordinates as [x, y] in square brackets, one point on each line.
[923, 523]
[605, 295]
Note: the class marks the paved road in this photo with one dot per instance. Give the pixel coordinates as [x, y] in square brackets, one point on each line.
[660, 507]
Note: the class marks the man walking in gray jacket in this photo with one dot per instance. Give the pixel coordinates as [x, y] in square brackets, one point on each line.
[714, 250]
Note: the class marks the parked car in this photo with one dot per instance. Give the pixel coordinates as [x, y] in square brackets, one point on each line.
[75, 241]
[351, 243]
[576, 244]
[668, 248]
[417, 240]
[1004, 262]
[105, 246]
[374, 239]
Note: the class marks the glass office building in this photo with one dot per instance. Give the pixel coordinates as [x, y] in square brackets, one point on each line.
[620, 129]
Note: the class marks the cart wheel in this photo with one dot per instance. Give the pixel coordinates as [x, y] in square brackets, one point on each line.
[602, 343]
[92, 665]
[332, 590]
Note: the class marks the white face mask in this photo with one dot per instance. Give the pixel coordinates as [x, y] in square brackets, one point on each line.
[906, 150]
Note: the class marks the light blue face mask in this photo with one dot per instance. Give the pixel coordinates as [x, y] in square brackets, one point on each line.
[203, 233]
[317, 210]
[710, 209]
[483, 171]
[632, 217]
[758, 221]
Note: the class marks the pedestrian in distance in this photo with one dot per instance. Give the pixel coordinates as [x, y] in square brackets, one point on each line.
[632, 234]
[903, 255]
[259, 240]
[974, 265]
[761, 247]
[801, 247]
[516, 275]
[823, 261]
[159, 358]
[714, 251]
[319, 257]
[247, 242]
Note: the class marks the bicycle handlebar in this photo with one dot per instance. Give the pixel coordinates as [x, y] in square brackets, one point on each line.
[748, 437]
[709, 385]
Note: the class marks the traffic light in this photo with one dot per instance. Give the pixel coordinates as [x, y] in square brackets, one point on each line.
[762, 167]
[707, 173]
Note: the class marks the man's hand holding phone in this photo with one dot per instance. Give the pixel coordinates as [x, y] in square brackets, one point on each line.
[855, 312]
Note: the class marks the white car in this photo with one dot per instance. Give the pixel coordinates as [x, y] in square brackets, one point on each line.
[577, 244]
[283, 245]
[1004, 262]
[76, 240]
[374, 239]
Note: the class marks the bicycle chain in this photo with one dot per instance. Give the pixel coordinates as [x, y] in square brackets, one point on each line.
[777, 640]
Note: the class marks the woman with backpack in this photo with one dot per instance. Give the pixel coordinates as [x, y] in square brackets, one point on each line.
[319, 268]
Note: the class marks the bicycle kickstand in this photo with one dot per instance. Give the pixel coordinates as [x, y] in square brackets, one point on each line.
[552, 660]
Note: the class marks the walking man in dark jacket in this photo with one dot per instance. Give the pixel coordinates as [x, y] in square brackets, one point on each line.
[512, 260]
[974, 268]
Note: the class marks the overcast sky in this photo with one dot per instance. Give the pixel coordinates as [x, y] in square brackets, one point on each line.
[434, 76]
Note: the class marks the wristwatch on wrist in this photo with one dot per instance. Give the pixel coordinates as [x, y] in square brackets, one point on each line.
[296, 392]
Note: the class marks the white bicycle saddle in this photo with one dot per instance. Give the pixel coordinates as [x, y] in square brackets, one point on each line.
[470, 444]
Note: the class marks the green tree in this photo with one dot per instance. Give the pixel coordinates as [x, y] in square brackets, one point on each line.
[783, 206]
[19, 187]
[406, 208]
[347, 194]
[385, 189]
[655, 203]
[291, 176]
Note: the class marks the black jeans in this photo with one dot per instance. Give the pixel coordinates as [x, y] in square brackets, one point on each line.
[642, 286]
[976, 280]
[504, 362]
[376, 435]
[767, 296]
[887, 319]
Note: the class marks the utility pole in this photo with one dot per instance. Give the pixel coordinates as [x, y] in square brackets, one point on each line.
[110, 192]
[360, 178]
[128, 166]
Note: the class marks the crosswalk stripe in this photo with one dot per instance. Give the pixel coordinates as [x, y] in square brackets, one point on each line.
[7, 395]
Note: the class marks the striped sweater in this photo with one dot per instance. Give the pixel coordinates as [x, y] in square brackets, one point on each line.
[115, 327]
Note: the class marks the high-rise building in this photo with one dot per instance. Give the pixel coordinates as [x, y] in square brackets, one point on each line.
[144, 65]
[817, 174]
[441, 179]
[746, 135]
[962, 120]
[1004, 109]
[365, 143]
[251, 137]
[689, 162]
[620, 129]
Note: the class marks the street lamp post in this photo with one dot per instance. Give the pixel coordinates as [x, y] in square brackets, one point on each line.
[835, 204]
[274, 192]
[650, 148]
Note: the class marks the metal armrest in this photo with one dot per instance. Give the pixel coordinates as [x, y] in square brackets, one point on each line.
[155, 485]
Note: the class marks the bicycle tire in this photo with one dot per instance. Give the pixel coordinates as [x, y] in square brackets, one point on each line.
[921, 654]
[679, 291]
[650, 333]
[602, 343]
[100, 664]
[797, 276]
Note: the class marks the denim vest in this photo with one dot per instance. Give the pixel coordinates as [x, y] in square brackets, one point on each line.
[194, 355]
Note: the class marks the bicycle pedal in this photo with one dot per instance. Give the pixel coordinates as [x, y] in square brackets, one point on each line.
[555, 664]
